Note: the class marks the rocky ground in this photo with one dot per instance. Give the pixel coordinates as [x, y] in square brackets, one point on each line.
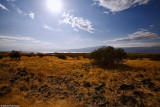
[112, 89]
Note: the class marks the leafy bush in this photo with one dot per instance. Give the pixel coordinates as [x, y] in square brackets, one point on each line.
[61, 56]
[1, 57]
[108, 55]
[15, 55]
[155, 57]
[40, 55]
[30, 55]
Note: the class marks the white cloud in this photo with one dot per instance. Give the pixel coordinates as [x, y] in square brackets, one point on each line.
[8, 43]
[106, 12]
[73, 40]
[139, 35]
[11, 0]
[75, 29]
[19, 11]
[51, 28]
[77, 22]
[31, 15]
[120, 5]
[21, 38]
[136, 44]
[3, 7]
[151, 26]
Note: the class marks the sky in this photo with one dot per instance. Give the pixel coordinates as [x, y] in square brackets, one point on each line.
[48, 25]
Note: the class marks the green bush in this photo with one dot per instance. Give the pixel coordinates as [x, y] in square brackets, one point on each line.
[155, 57]
[1, 57]
[30, 55]
[108, 55]
[40, 55]
[61, 56]
[15, 55]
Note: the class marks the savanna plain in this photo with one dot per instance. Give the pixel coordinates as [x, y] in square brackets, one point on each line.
[49, 81]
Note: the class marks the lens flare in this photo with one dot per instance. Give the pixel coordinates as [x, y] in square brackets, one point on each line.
[54, 5]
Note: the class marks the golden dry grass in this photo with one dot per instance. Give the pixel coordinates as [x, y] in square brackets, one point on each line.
[75, 82]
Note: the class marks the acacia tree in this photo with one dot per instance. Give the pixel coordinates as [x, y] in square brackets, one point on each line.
[108, 55]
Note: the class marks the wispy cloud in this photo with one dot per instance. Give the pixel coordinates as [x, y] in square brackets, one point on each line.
[51, 28]
[139, 35]
[106, 12]
[151, 26]
[136, 44]
[19, 10]
[22, 38]
[77, 22]
[3, 7]
[120, 5]
[31, 15]
[8, 43]
[12, 0]
[73, 40]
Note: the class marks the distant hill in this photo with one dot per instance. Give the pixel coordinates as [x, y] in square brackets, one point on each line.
[128, 49]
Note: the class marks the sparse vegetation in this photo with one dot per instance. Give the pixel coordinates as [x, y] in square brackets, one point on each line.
[61, 56]
[15, 55]
[52, 82]
[40, 55]
[108, 55]
[155, 57]
[1, 57]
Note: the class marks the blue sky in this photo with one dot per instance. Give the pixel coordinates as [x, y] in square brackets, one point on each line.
[48, 25]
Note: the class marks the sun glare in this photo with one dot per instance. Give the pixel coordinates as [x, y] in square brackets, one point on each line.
[54, 5]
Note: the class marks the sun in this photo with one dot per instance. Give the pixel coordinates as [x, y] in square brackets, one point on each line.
[54, 5]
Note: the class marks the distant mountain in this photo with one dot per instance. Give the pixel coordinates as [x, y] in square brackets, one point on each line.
[128, 49]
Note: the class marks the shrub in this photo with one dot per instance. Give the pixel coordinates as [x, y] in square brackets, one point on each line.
[40, 55]
[155, 57]
[1, 57]
[30, 55]
[15, 55]
[108, 55]
[61, 56]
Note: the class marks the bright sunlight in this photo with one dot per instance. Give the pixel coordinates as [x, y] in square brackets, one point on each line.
[54, 5]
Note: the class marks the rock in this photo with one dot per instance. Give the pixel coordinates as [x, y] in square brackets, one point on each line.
[149, 83]
[5, 90]
[40, 74]
[13, 80]
[99, 100]
[23, 88]
[32, 75]
[86, 84]
[44, 89]
[139, 94]
[128, 100]
[126, 87]
[146, 81]
[140, 76]
[156, 89]
[39, 80]
[157, 79]
[22, 72]
[27, 79]
[33, 87]
[100, 87]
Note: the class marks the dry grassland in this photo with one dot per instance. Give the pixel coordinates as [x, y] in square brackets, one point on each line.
[75, 82]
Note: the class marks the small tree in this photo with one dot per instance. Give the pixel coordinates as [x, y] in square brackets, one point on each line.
[15, 55]
[40, 55]
[61, 56]
[108, 55]
[1, 57]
